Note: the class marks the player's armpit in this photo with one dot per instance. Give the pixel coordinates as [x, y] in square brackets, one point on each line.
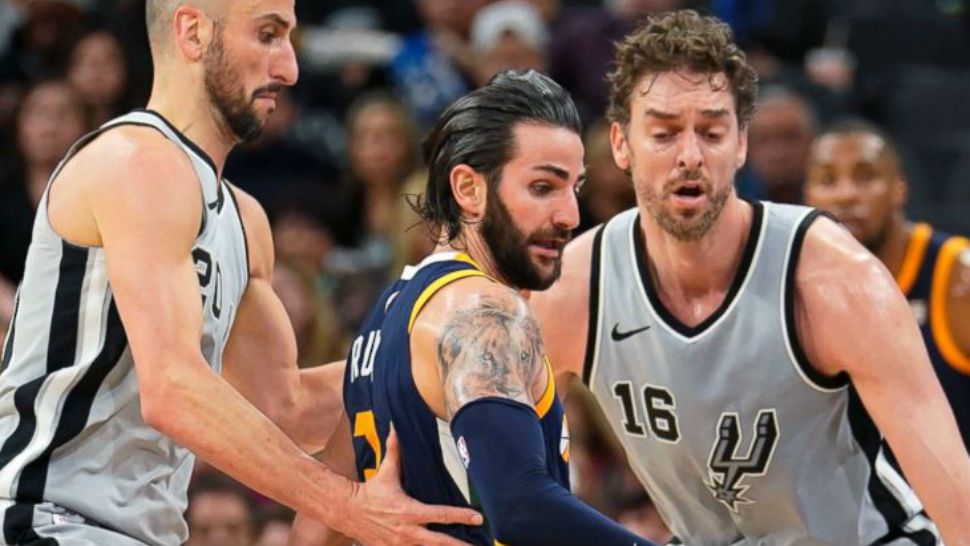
[490, 346]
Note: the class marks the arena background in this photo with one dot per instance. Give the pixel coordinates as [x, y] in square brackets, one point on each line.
[342, 149]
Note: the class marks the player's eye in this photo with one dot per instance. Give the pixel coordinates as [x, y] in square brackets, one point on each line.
[540, 188]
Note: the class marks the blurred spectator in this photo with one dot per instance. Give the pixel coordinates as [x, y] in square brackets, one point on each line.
[319, 338]
[508, 34]
[51, 118]
[383, 152]
[382, 143]
[274, 523]
[786, 29]
[779, 140]
[98, 70]
[344, 57]
[608, 190]
[432, 68]
[220, 513]
[582, 48]
[12, 13]
[40, 47]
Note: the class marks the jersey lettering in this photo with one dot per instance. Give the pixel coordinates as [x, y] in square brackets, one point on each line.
[658, 404]
[364, 367]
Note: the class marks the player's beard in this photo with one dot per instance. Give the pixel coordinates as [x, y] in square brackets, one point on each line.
[685, 229]
[226, 93]
[509, 247]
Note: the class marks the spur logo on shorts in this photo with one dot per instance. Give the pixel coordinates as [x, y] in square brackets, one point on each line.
[727, 469]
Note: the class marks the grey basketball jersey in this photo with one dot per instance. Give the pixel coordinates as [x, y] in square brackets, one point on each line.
[70, 419]
[735, 436]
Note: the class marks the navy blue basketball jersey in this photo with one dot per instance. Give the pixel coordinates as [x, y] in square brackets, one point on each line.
[379, 392]
[923, 278]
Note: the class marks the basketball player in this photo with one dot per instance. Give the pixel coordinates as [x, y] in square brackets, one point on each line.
[854, 172]
[751, 357]
[450, 356]
[146, 276]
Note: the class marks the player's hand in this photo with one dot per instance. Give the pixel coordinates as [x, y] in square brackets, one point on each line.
[379, 513]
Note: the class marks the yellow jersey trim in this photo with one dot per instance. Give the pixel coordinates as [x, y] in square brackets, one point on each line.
[545, 403]
[915, 252]
[938, 319]
[438, 284]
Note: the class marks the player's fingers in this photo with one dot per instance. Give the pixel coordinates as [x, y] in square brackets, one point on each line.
[447, 514]
[390, 466]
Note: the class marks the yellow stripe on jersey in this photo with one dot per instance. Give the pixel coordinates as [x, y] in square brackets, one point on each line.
[438, 284]
[951, 352]
[915, 251]
[544, 403]
[497, 543]
[462, 257]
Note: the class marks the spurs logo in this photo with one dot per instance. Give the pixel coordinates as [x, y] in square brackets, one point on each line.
[727, 469]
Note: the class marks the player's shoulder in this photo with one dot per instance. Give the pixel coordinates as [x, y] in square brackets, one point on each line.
[466, 296]
[836, 273]
[135, 155]
[829, 249]
[131, 173]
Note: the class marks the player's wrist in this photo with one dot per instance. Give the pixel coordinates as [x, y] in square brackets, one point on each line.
[341, 496]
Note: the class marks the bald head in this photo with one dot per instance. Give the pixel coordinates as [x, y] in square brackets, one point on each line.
[159, 13]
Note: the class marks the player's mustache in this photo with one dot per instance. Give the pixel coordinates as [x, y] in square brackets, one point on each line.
[558, 234]
[269, 88]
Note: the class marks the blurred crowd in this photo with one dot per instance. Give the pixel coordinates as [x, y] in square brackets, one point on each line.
[340, 160]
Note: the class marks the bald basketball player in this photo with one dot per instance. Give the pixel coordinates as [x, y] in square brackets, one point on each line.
[147, 276]
[754, 359]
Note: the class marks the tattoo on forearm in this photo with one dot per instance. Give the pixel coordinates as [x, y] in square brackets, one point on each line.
[493, 349]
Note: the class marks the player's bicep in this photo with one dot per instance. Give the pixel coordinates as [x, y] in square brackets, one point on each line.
[490, 347]
[260, 356]
[147, 221]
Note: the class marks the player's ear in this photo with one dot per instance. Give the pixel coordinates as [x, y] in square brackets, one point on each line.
[620, 146]
[469, 189]
[742, 154]
[193, 31]
[900, 191]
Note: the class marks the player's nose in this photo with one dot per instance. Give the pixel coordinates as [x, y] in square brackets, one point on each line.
[284, 68]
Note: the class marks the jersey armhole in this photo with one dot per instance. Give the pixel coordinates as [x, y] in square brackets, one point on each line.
[242, 226]
[809, 373]
[433, 289]
[592, 322]
[919, 241]
[939, 325]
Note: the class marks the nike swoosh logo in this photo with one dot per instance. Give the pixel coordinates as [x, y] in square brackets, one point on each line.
[617, 335]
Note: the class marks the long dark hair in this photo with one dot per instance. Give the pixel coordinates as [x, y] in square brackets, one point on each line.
[477, 130]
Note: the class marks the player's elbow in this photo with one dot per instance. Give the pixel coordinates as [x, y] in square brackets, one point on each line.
[510, 520]
[163, 399]
[511, 507]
